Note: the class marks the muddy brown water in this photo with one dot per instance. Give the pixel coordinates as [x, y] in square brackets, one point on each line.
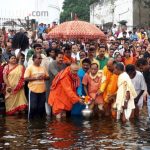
[75, 133]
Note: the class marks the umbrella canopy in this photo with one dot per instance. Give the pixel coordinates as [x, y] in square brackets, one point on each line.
[76, 30]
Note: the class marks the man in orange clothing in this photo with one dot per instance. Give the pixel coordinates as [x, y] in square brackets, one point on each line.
[63, 91]
[109, 85]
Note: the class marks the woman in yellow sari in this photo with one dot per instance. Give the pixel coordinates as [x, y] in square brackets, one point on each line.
[15, 99]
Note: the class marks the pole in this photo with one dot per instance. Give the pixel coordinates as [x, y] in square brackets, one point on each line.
[140, 12]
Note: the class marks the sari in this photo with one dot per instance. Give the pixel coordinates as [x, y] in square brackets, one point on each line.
[15, 99]
[1, 77]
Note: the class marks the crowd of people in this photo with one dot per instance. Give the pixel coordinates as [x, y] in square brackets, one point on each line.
[50, 77]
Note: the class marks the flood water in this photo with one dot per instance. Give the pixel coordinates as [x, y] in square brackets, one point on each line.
[74, 133]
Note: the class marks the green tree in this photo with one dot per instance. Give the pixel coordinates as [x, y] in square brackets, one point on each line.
[81, 8]
[147, 3]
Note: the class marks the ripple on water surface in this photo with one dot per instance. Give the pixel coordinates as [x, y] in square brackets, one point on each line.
[73, 133]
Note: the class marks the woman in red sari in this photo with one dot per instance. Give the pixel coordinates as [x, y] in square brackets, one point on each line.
[15, 99]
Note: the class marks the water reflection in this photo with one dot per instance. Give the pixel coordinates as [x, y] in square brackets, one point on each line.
[63, 134]
[73, 133]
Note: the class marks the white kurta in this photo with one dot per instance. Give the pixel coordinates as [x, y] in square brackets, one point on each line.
[76, 56]
[139, 84]
[124, 85]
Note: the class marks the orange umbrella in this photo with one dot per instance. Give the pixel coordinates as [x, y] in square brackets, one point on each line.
[76, 30]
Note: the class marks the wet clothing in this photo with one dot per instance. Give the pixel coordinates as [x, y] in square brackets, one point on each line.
[15, 100]
[139, 85]
[93, 84]
[37, 88]
[147, 79]
[78, 107]
[80, 89]
[36, 104]
[109, 84]
[63, 91]
[53, 70]
[124, 85]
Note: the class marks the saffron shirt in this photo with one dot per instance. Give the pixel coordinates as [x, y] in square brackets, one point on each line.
[109, 84]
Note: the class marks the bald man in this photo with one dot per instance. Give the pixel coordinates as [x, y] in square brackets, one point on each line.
[63, 91]
[109, 84]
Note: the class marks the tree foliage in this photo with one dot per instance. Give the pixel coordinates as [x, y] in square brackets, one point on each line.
[81, 8]
[147, 3]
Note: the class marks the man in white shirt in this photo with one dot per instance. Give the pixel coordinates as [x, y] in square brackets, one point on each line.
[114, 29]
[75, 52]
[138, 81]
[38, 49]
[123, 34]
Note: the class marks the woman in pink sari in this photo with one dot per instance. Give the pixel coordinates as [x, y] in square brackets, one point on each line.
[15, 99]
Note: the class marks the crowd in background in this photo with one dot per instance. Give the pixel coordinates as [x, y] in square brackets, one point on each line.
[26, 76]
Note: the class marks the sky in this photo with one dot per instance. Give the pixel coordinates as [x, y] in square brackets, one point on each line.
[61, 3]
[21, 8]
[22, 3]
